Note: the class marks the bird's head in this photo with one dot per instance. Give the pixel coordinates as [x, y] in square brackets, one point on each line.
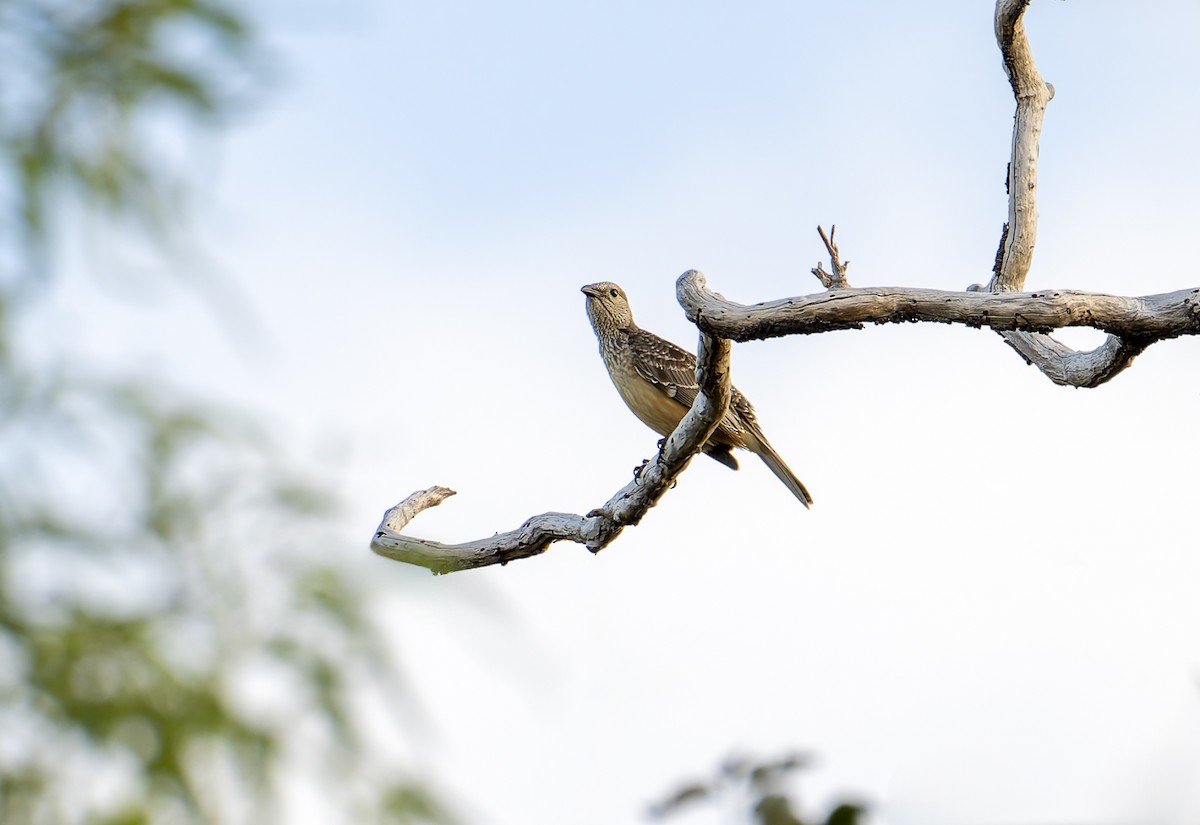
[607, 307]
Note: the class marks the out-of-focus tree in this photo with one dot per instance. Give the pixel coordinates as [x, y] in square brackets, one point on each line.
[760, 789]
[179, 642]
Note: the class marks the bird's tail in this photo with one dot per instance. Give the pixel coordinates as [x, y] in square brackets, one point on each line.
[781, 470]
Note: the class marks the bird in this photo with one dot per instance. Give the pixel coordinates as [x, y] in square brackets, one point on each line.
[657, 381]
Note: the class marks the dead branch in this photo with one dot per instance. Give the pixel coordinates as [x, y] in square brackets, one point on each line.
[1056, 360]
[1023, 318]
[1069, 368]
[1146, 319]
[599, 527]
[836, 279]
[1032, 94]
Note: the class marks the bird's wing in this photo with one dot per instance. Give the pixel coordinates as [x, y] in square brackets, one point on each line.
[673, 370]
[668, 367]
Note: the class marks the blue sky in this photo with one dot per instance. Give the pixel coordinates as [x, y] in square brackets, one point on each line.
[990, 614]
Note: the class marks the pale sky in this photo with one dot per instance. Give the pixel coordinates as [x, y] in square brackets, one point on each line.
[990, 615]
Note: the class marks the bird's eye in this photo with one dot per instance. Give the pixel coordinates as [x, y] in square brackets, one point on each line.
[612, 293]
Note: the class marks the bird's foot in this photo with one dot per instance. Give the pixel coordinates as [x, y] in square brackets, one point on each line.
[637, 471]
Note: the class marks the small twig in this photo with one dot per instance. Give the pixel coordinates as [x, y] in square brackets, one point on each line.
[836, 279]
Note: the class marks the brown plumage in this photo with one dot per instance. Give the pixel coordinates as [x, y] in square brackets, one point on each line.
[657, 381]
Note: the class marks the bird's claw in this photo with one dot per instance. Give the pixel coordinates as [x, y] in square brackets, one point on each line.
[637, 471]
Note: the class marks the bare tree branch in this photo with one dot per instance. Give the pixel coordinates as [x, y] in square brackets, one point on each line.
[1146, 319]
[1056, 360]
[1066, 367]
[1032, 94]
[599, 527]
[1022, 318]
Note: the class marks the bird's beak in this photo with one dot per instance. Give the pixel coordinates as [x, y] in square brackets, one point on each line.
[590, 289]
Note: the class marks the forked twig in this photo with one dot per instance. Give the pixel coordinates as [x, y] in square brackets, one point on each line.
[836, 279]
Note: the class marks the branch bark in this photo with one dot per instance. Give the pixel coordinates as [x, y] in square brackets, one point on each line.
[1056, 360]
[1069, 368]
[599, 527]
[1143, 320]
[1032, 94]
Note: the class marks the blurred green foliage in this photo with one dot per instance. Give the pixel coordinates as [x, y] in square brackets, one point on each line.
[180, 640]
[760, 789]
[84, 84]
